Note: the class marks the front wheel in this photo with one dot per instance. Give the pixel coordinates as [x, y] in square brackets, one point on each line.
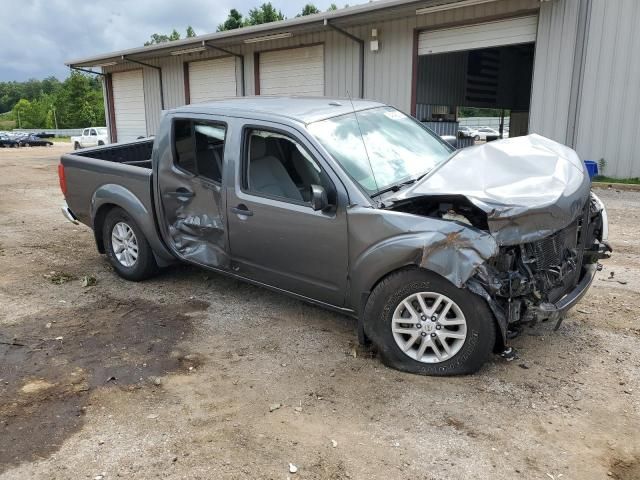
[477, 138]
[423, 324]
[76, 146]
[126, 246]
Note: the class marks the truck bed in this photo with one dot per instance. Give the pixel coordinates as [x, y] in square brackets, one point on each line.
[109, 171]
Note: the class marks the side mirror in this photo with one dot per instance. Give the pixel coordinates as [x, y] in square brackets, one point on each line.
[319, 200]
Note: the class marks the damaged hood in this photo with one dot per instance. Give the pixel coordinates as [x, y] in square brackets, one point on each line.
[529, 187]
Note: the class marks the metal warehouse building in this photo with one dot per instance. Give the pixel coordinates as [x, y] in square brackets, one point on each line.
[566, 69]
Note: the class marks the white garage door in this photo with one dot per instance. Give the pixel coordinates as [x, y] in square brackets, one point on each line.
[212, 79]
[491, 34]
[128, 102]
[295, 71]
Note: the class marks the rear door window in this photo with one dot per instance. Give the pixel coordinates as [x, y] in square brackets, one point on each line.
[199, 148]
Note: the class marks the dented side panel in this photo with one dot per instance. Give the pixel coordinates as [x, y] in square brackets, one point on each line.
[191, 209]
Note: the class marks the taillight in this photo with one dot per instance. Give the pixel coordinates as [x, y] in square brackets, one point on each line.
[62, 178]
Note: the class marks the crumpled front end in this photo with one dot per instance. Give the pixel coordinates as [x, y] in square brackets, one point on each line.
[541, 280]
[532, 195]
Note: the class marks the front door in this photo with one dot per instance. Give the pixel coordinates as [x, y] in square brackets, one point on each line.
[190, 190]
[275, 237]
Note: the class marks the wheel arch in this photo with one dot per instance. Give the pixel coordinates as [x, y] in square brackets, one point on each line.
[110, 196]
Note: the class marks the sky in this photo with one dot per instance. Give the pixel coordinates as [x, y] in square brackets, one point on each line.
[40, 35]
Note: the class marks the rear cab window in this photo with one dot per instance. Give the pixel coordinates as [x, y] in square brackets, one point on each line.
[199, 147]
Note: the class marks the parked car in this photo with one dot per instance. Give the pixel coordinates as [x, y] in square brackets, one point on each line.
[359, 208]
[6, 141]
[33, 141]
[465, 131]
[45, 135]
[91, 137]
[485, 134]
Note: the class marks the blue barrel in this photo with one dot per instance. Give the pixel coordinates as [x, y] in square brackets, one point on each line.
[592, 168]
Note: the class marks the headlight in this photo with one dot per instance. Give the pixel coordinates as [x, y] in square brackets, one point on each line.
[603, 214]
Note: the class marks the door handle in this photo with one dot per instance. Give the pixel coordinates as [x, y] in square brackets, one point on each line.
[242, 210]
[181, 193]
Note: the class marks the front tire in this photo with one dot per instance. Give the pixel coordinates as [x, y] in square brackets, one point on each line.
[423, 324]
[477, 138]
[76, 146]
[126, 247]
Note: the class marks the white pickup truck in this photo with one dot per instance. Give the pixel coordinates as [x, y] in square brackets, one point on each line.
[91, 137]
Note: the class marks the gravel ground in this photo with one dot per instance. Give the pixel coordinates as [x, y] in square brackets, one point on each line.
[193, 375]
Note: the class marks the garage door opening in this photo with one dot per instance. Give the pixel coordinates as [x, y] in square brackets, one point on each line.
[474, 82]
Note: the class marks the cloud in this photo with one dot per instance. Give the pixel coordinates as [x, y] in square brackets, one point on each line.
[40, 35]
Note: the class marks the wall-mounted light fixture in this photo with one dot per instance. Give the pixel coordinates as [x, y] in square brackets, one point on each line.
[184, 51]
[449, 6]
[265, 38]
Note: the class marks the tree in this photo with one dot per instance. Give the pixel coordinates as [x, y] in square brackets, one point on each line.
[233, 21]
[308, 9]
[332, 7]
[265, 13]
[174, 35]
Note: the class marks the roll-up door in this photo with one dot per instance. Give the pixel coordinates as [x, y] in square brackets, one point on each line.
[512, 31]
[294, 71]
[128, 103]
[212, 79]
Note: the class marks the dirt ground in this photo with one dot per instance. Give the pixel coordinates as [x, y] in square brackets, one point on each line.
[192, 375]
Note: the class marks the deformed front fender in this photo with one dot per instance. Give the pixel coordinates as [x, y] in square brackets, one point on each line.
[450, 249]
[143, 215]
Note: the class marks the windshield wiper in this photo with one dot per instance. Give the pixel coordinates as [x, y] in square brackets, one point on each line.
[397, 186]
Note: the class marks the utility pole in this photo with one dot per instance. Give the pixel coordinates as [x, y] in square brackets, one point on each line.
[19, 124]
[55, 118]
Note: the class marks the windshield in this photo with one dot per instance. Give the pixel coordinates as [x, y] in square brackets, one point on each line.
[399, 149]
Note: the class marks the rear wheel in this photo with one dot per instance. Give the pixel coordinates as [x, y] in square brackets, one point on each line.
[423, 324]
[477, 138]
[126, 246]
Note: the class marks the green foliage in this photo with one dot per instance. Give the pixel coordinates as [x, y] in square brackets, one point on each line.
[332, 7]
[233, 21]
[174, 35]
[628, 181]
[308, 9]
[77, 102]
[464, 112]
[265, 13]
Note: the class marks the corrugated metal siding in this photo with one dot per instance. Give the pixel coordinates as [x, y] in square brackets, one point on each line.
[388, 72]
[608, 123]
[553, 69]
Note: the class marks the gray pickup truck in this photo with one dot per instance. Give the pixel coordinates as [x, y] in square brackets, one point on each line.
[441, 256]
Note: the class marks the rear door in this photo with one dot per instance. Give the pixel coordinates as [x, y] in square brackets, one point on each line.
[275, 237]
[190, 190]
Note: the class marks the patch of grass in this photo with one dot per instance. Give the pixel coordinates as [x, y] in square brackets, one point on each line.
[7, 125]
[628, 181]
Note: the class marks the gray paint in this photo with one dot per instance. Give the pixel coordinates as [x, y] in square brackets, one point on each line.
[608, 123]
[333, 257]
[553, 69]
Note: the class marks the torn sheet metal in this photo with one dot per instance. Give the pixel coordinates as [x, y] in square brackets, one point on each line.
[196, 232]
[529, 187]
[384, 240]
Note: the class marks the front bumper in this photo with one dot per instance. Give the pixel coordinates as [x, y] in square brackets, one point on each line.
[68, 214]
[556, 311]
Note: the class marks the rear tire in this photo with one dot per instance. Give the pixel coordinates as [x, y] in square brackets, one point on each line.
[467, 327]
[477, 138]
[126, 247]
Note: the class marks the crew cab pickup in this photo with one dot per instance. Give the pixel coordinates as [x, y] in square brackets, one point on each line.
[441, 256]
[91, 137]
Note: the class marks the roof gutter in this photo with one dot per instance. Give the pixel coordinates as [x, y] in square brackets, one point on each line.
[229, 52]
[159, 69]
[360, 43]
